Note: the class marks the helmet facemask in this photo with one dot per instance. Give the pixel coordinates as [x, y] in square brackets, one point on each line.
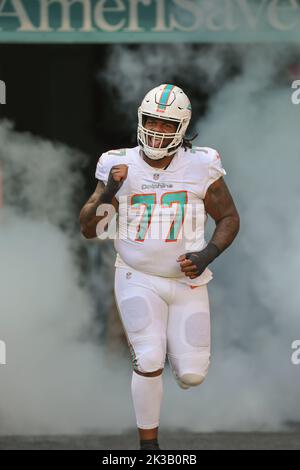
[147, 138]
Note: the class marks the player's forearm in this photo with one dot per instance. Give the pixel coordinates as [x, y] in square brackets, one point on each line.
[89, 219]
[225, 232]
[88, 215]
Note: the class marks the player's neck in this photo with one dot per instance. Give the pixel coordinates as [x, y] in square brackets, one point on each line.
[162, 163]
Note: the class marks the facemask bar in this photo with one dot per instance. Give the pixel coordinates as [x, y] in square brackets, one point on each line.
[146, 135]
[152, 136]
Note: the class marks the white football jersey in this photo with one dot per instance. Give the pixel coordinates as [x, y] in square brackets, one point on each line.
[161, 212]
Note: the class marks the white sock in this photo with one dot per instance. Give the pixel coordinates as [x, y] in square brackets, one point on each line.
[147, 393]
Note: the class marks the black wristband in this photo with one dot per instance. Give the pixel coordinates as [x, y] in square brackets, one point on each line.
[213, 250]
[202, 258]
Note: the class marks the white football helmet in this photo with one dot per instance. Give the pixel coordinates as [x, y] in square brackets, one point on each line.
[167, 102]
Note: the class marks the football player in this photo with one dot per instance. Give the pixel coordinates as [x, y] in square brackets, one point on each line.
[163, 190]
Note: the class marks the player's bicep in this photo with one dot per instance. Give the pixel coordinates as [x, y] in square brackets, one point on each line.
[218, 201]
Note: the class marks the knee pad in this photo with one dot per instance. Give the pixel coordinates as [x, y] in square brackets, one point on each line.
[192, 379]
[151, 359]
[147, 349]
[193, 367]
[148, 354]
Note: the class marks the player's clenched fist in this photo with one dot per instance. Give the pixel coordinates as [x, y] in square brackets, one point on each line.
[194, 263]
[118, 173]
[116, 177]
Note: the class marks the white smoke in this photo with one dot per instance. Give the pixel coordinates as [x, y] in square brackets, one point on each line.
[57, 378]
[141, 68]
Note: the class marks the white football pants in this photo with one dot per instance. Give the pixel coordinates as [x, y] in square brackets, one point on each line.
[162, 316]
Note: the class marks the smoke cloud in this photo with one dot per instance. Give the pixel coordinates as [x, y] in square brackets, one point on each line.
[57, 377]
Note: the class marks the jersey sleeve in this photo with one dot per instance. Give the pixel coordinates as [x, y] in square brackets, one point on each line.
[102, 169]
[214, 171]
